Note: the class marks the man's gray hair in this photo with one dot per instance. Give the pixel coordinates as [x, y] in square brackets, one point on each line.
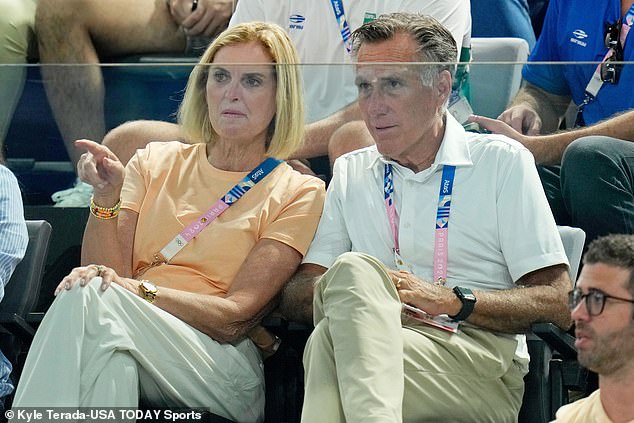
[613, 250]
[435, 42]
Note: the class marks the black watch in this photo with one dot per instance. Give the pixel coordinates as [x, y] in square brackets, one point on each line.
[468, 300]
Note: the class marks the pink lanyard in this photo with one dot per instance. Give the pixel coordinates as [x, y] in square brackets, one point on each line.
[441, 234]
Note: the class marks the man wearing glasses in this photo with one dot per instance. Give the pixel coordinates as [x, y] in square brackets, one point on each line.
[602, 308]
[592, 185]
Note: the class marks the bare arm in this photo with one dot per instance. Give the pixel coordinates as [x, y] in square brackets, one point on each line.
[260, 279]
[540, 297]
[107, 242]
[549, 149]
[297, 297]
[318, 133]
[534, 111]
[252, 294]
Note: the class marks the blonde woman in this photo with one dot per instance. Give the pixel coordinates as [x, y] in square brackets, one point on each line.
[159, 313]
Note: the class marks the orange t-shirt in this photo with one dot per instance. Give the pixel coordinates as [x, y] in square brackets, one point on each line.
[171, 184]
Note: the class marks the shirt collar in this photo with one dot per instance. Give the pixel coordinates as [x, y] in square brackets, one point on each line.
[454, 148]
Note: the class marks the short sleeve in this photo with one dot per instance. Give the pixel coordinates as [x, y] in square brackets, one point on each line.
[535, 243]
[295, 225]
[134, 186]
[332, 238]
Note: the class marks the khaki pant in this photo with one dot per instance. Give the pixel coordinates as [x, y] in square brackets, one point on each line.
[17, 39]
[109, 348]
[363, 364]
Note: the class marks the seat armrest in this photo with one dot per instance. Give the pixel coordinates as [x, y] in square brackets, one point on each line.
[16, 325]
[558, 339]
[35, 318]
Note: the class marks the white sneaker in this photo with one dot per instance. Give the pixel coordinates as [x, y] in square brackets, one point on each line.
[77, 196]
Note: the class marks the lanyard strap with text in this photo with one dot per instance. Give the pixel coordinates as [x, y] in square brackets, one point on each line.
[230, 198]
[442, 219]
[346, 34]
[388, 194]
[441, 234]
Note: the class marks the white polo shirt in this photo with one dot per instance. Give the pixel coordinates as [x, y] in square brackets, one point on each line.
[500, 224]
[311, 24]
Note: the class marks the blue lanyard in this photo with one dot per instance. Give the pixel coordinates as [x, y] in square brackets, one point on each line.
[250, 180]
[346, 34]
[234, 194]
[441, 234]
[444, 196]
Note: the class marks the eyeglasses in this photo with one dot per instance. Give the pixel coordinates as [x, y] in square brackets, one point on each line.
[610, 71]
[595, 300]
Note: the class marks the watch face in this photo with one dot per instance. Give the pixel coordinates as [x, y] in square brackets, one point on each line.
[148, 286]
[465, 293]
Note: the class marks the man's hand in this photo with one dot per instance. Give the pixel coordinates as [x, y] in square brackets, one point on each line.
[545, 149]
[433, 299]
[522, 119]
[209, 18]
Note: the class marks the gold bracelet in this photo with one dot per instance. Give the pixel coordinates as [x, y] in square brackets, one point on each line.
[104, 213]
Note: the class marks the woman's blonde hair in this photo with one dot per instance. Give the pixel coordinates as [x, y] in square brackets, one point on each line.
[286, 131]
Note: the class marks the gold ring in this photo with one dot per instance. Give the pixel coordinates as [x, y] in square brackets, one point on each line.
[398, 283]
[100, 269]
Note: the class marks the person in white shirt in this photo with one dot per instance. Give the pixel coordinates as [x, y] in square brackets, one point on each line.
[429, 216]
[14, 239]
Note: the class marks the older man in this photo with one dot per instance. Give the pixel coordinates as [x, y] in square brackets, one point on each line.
[603, 311]
[445, 221]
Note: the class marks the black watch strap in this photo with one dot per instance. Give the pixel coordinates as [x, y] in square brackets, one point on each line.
[468, 300]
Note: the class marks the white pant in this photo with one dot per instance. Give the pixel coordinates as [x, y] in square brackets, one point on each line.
[108, 348]
[363, 364]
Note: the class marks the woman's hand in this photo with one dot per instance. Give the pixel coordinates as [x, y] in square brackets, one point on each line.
[83, 275]
[99, 167]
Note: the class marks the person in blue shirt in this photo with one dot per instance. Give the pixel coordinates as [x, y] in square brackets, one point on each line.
[593, 185]
[13, 241]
